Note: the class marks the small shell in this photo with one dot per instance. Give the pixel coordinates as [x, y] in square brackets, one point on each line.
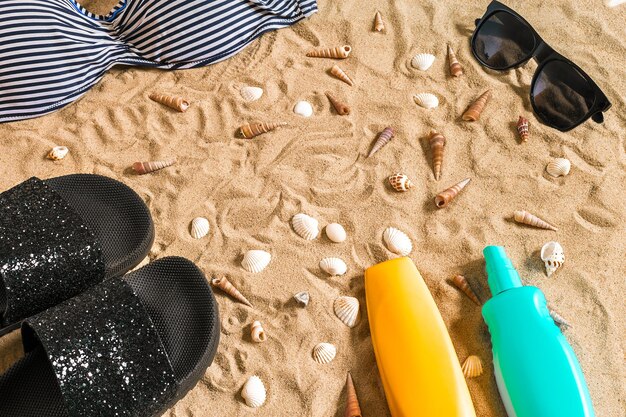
[257, 333]
[302, 298]
[324, 353]
[446, 196]
[397, 241]
[472, 367]
[336, 232]
[353, 409]
[303, 108]
[383, 138]
[253, 392]
[379, 25]
[305, 226]
[461, 283]
[250, 130]
[333, 266]
[256, 260]
[339, 52]
[423, 61]
[173, 102]
[525, 217]
[559, 167]
[456, 70]
[224, 284]
[437, 143]
[523, 128]
[342, 109]
[553, 256]
[57, 153]
[250, 94]
[339, 73]
[347, 310]
[142, 168]
[400, 182]
[426, 100]
[475, 109]
[199, 228]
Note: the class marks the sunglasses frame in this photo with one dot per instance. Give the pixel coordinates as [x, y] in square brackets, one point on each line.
[543, 54]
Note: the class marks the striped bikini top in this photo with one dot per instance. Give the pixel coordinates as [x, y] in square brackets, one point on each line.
[53, 51]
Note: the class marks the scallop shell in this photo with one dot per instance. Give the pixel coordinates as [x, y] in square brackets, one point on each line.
[302, 298]
[256, 260]
[250, 94]
[303, 108]
[347, 310]
[426, 100]
[57, 153]
[400, 182]
[336, 232]
[199, 228]
[553, 256]
[305, 226]
[472, 367]
[324, 353]
[253, 392]
[333, 266]
[397, 241]
[423, 61]
[559, 167]
[257, 333]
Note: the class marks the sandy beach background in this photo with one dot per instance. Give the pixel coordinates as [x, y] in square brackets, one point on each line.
[249, 190]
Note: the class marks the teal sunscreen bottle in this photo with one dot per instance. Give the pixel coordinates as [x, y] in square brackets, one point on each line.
[536, 370]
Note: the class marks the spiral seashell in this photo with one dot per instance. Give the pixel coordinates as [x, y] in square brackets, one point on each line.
[559, 320]
[251, 94]
[456, 70]
[461, 283]
[525, 217]
[339, 52]
[523, 128]
[303, 108]
[257, 333]
[253, 392]
[353, 409]
[347, 310]
[339, 73]
[251, 130]
[57, 153]
[142, 168]
[341, 108]
[199, 227]
[379, 25]
[443, 198]
[173, 102]
[384, 138]
[256, 260]
[426, 100]
[472, 367]
[397, 241]
[302, 298]
[553, 256]
[333, 266]
[336, 232]
[305, 226]
[400, 182]
[423, 61]
[437, 142]
[476, 108]
[324, 353]
[224, 284]
[559, 167]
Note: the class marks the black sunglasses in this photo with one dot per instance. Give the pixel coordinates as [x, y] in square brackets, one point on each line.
[562, 95]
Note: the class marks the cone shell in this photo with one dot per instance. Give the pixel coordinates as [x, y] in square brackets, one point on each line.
[559, 167]
[341, 108]
[443, 198]
[353, 408]
[324, 353]
[302, 298]
[384, 138]
[553, 256]
[257, 333]
[400, 182]
[525, 217]
[397, 241]
[336, 232]
[423, 61]
[224, 284]
[173, 102]
[437, 143]
[142, 168]
[333, 266]
[426, 100]
[253, 392]
[251, 130]
[250, 94]
[347, 310]
[379, 25]
[472, 367]
[199, 227]
[256, 260]
[523, 128]
[305, 226]
[339, 52]
[461, 283]
[57, 153]
[558, 319]
[456, 70]
[475, 109]
[339, 73]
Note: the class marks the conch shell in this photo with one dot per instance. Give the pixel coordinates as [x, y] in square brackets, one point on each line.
[339, 52]
[224, 284]
[142, 168]
[523, 128]
[400, 182]
[443, 198]
[341, 108]
[461, 283]
[257, 333]
[173, 102]
[437, 143]
[324, 353]
[383, 138]
[525, 217]
[352, 402]
[253, 392]
[57, 153]
[339, 73]
[347, 310]
[455, 68]
[553, 256]
[559, 167]
[472, 367]
[251, 130]
[379, 25]
[476, 108]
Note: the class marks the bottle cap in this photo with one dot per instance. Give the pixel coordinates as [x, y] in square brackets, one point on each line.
[501, 275]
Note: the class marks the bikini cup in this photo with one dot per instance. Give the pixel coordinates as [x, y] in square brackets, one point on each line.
[53, 51]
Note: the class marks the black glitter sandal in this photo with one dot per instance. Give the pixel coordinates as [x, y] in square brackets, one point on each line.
[60, 236]
[128, 347]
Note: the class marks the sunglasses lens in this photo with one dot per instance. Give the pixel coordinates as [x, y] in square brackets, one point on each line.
[503, 41]
[562, 95]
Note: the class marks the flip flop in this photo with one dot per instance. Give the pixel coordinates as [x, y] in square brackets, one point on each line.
[130, 347]
[63, 235]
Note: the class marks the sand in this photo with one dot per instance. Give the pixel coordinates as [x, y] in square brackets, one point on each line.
[249, 190]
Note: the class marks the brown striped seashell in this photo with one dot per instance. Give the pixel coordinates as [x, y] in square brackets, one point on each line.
[437, 143]
[379, 25]
[339, 73]
[523, 126]
[341, 108]
[251, 130]
[224, 284]
[443, 198]
[384, 138]
[257, 333]
[476, 108]
[339, 52]
[353, 409]
[173, 102]
[142, 168]
[525, 217]
[456, 70]
[472, 367]
[400, 182]
[461, 283]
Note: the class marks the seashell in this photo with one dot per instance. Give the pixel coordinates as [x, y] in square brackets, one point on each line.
[250, 94]
[57, 153]
[400, 182]
[339, 73]
[142, 168]
[173, 102]
[383, 138]
[305, 226]
[303, 108]
[443, 198]
[333, 266]
[553, 256]
[559, 320]
[324, 353]
[257, 333]
[613, 3]
[525, 217]
[352, 401]
[559, 167]
[423, 61]
[256, 260]
[426, 100]
[397, 241]
[472, 367]
[199, 227]
[476, 108]
[461, 283]
[379, 25]
[456, 70]
[251, 130]
[224, 284]
[336, 232]
[341, 108]
[302, 298]
[347, 310]
[437, 142]
[253, 392]
[339, 52]
[523, 128]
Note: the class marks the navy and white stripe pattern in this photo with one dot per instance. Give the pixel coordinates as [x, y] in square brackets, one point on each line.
[53, 51]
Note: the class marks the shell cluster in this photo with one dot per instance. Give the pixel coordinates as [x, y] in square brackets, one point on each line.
[347, 310]
[324, 353]
[199, 228]
[256, 260]
[305, 226]
[397, 241]
[553, 256]
[333, 266]
[253, 392]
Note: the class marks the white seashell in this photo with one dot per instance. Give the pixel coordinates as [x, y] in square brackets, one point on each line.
[426, 100]
[336, 232]
[57, 153]
[257, 333]
[347, 310]
[324, 353]
[199, 227]
[303, 108]
[250, 94]
[302, 298]
[559, 167]
[553, 256]
[333, 266]
[305, 226]
[397, 241]
[614, 3]
[256, 260]
[253, 392]
[422, 61]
